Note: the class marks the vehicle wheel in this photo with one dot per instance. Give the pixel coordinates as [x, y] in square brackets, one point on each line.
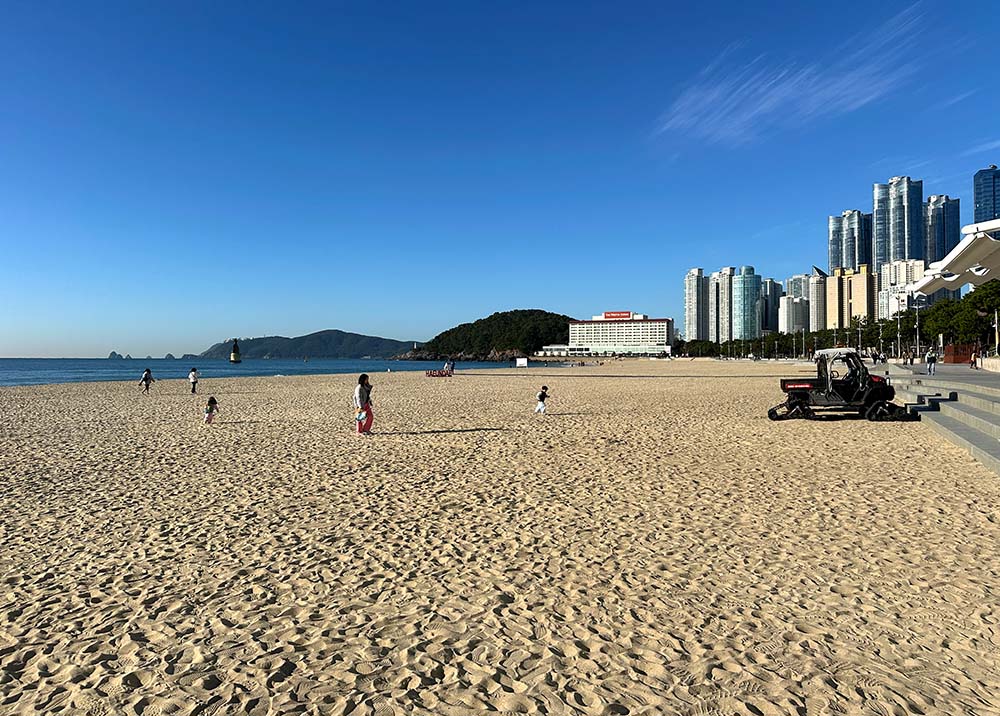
[799, 409]
[772, 414]
[879, 410]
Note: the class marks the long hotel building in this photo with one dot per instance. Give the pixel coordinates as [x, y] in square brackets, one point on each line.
[621, 333]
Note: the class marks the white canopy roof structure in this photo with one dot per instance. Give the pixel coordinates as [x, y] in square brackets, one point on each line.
[975, 260]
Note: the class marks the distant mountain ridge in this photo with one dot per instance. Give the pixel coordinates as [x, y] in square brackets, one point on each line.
[322, 344]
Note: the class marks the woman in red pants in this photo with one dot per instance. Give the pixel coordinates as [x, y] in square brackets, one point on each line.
[363, 405]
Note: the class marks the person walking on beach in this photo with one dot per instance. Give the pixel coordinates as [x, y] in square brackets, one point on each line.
[146, 379]
[972, 360]
[542, 396]
[931, 359]
[193, 377]
[211, 409]
[363, 405]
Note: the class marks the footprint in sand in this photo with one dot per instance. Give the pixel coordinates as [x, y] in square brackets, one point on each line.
[216, 708]
[382, 707]
[113, 688]
[94, 706]
[771, 646]
[707, 708]
[875, 708]
[683, 676]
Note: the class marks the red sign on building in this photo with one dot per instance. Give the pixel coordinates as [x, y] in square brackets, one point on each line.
[617, 315]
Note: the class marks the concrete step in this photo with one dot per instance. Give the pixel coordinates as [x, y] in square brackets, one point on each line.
[917, 401]
[914, 395]
[981, 401]
[977, 396]
[983, 447]
[941, 383]
[984, 421]
[965, 414]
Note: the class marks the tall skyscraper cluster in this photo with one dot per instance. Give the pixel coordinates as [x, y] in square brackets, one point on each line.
[901, 227]
[872, 257]
[736, 304]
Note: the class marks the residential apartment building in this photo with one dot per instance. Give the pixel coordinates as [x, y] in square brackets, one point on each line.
[849, 294]
[986, 194]
[892, 280]
[770, 297]
[897, 221]
[797, 286]
[720, 305]
[849, 239]
[746, 304]
[696, 311]
[793, 314]
[817, 300]
[942, 227]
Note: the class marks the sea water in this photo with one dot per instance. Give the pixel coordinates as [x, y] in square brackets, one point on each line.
[37, 371]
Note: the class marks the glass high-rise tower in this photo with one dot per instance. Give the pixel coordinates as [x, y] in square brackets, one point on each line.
[942, 226]
[850, 239]
[835, 242]
[986, 194]
[746, 304]
[898, 221]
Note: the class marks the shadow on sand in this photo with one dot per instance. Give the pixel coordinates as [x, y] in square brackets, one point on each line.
[834, 417]
[442, 431]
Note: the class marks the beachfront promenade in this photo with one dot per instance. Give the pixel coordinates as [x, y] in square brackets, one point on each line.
[654, 545]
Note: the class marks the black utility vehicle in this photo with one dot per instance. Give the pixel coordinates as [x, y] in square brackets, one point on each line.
[842, 384]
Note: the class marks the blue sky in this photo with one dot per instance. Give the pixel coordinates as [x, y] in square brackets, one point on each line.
[172, 174]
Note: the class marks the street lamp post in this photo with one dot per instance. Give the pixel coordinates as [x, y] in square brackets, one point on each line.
[918, 303]
[899, 333]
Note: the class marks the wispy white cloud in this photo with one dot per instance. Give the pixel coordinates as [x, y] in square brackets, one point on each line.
[980, 148]
[947, 183]
[898, 164]
[733, 102]
[954, 100]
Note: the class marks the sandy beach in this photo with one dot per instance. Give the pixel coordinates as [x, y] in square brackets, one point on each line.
[654, 545]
